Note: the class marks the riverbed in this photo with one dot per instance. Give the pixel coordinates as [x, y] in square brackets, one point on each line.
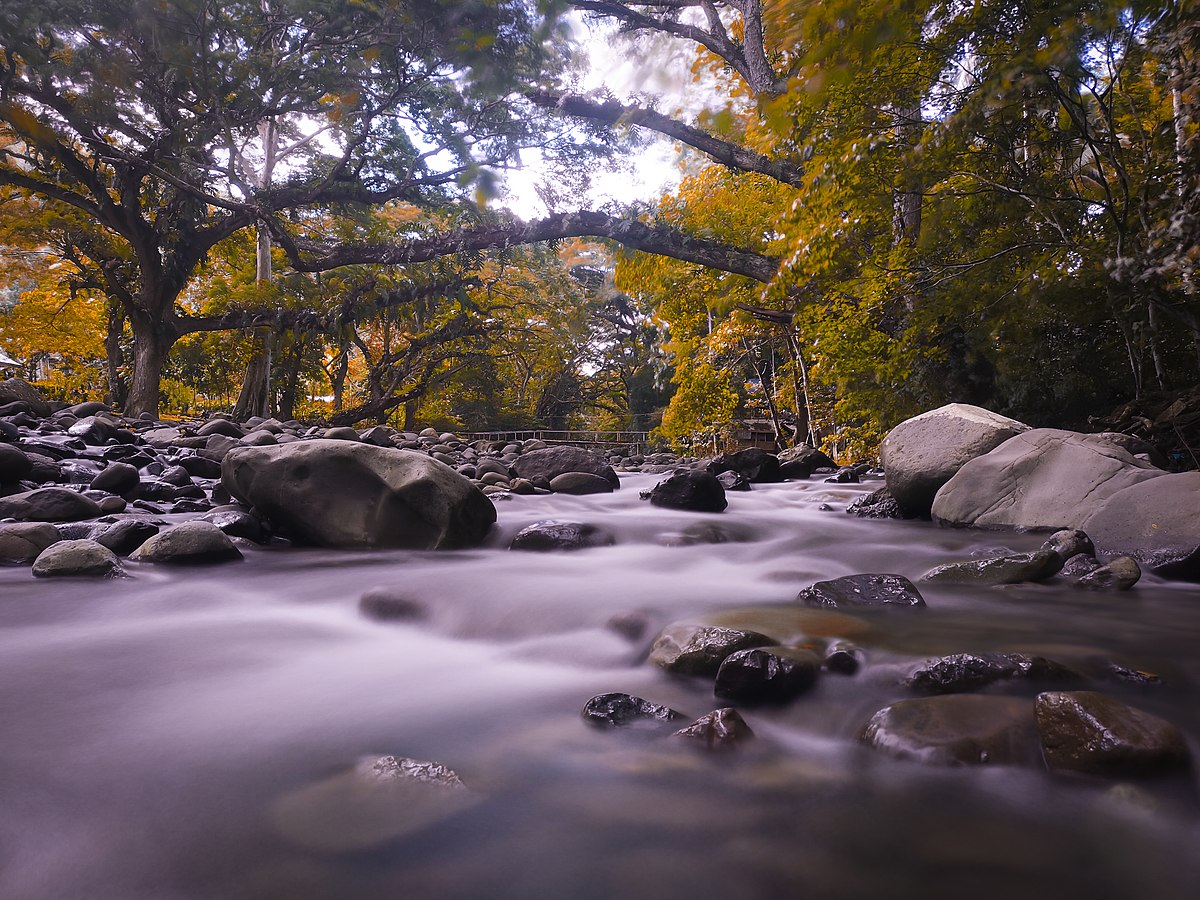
[152, 728]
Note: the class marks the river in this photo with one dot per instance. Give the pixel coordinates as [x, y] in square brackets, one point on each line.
[153, 727]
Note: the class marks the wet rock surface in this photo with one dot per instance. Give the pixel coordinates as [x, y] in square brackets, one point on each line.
[961, 672]
[616, 710]
[854, 591]
[81, 558]
[700, 649]
[721, 729]
[957, 729]
[190, 543]
[693, 490]
[544, 536]
[765, 675]
[1089, 732]
[1012, 569]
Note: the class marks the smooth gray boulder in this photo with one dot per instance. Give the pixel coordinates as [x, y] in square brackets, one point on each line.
[189, 543]
[21, 542]
[1012, 569]
[922, 453]
[80, 558]
[1156, 521]
[1045, 478]
[51, 504]
[351, 494]
[550, 462]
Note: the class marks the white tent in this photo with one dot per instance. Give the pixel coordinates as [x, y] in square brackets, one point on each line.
[7, 361]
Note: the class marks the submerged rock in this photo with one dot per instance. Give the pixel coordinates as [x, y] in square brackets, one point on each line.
[1012, 569]
[1118, 574]
[958, 729]
[351, 494]
[856, 591]
[616, 709]
[1085, 731]
[379, 800]
[970, 671]
[560, 536]
[700, 649]
[767, 675]
[390, 604]
[721, 729]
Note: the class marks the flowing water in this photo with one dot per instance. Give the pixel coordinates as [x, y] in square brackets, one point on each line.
[153, 728]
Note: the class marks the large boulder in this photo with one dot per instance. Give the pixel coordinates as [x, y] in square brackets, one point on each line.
[1045, 478]
[1156, 521]
[922, 453]
[13, 390]
[755, 465]
[551, 462]
[691, 489]
[351, 494]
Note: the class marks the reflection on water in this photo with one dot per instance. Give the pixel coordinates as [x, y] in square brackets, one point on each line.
[151, 725]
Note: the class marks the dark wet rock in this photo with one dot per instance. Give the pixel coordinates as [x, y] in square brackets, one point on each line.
[879, 504]
[188, 543]
[388, 603]
[802, 461]
[887, 591]
[921, 454]
[843, 658]
[118, 478]
[49, 505]
[767, 675]
[380, 436]
[1126, 675]
[1118, 574]
[124, 536]
[962, 672]
[550, 462]
[580, 483]
[1085, 731]
[632, 625]
[351, 494]
[721, 729]
[733, 481]
[236, 521]
[14, 464]
[1064, 478]
[700, 649]
[176, 475]
[560, 536]
[1012, 569]
[616, 709]
[94, 430]
[81, 558]
[957, 729]
[1068, 544]
[21, 542]
[692, 489]
[844, 475]
[713, 533]
[1155, 522]
[522, 486]
[379, 800]
[201, 466]
[755, 465]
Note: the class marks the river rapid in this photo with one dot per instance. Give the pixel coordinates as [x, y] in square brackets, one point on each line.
[153, 727]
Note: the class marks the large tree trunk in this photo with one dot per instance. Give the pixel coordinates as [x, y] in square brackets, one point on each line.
[118, 391]
[254, 399]
[151, 343]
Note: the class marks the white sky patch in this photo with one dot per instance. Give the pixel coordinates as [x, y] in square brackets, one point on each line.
[655, 72]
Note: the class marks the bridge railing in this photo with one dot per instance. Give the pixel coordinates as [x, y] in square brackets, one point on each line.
[636, 441]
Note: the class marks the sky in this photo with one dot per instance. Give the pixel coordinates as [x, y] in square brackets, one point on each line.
[617, 63]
